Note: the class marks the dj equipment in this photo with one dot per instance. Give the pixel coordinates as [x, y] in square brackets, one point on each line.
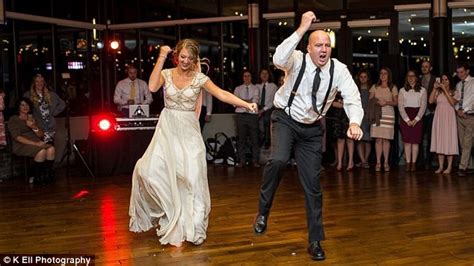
[128, 124]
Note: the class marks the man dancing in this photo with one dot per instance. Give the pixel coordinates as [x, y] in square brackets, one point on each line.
[313, 80]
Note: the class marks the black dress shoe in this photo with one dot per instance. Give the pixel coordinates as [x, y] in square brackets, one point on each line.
[316, 251]
[260, 225]
[462, 172]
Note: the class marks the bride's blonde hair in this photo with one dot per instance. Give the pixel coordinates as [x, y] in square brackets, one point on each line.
[193, 48]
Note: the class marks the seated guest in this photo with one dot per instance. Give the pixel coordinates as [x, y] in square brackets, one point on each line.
[27, 140]
[131, 90]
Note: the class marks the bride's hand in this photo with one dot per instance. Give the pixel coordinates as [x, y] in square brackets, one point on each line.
[252, 107]
[165, 50]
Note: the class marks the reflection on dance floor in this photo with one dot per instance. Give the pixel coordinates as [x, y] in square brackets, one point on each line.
[370, 218]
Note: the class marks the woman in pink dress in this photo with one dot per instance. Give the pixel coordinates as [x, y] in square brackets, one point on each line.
[386, 94]
[444, 138]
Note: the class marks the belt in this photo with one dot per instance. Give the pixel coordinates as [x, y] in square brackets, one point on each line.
[247, 113]
[315, 123]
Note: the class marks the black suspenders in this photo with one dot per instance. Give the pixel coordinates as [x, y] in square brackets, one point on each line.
[297, 84]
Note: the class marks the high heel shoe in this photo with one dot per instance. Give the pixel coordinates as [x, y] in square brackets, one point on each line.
[378, 167]
[386, 167]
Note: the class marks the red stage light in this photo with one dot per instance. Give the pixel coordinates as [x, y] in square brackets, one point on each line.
[104, 124]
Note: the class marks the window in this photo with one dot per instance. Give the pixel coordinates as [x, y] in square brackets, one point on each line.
[414, 38]
[369, 45]
[463, 34]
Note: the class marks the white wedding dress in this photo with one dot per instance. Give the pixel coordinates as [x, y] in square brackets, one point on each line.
[169, 186]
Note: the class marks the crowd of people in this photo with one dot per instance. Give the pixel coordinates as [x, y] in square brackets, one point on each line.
[433, 114]
[32, 128]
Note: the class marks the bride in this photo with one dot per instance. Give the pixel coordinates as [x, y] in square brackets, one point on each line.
[169, 186]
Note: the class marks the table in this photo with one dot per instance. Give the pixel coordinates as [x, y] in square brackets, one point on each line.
[115, 153]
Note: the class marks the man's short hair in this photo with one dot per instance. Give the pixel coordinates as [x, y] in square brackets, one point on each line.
[463, 65]
[426, 61]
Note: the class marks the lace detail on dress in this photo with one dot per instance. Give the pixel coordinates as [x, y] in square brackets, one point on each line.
[182, 99]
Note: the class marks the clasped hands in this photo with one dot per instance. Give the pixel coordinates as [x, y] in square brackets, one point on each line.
[412, 123]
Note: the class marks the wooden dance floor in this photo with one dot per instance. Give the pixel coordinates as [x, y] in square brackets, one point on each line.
[370, 218]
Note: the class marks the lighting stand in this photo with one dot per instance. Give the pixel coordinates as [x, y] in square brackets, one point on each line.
[70, 147]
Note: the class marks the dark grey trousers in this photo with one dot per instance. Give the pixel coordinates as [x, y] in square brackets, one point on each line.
[307, 143]
[247, 126]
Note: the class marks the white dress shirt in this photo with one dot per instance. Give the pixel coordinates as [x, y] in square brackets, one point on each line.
[122, 92]
[413, 99]
[290, 60]
[251, 95]
[270, 90]
[468, 100]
